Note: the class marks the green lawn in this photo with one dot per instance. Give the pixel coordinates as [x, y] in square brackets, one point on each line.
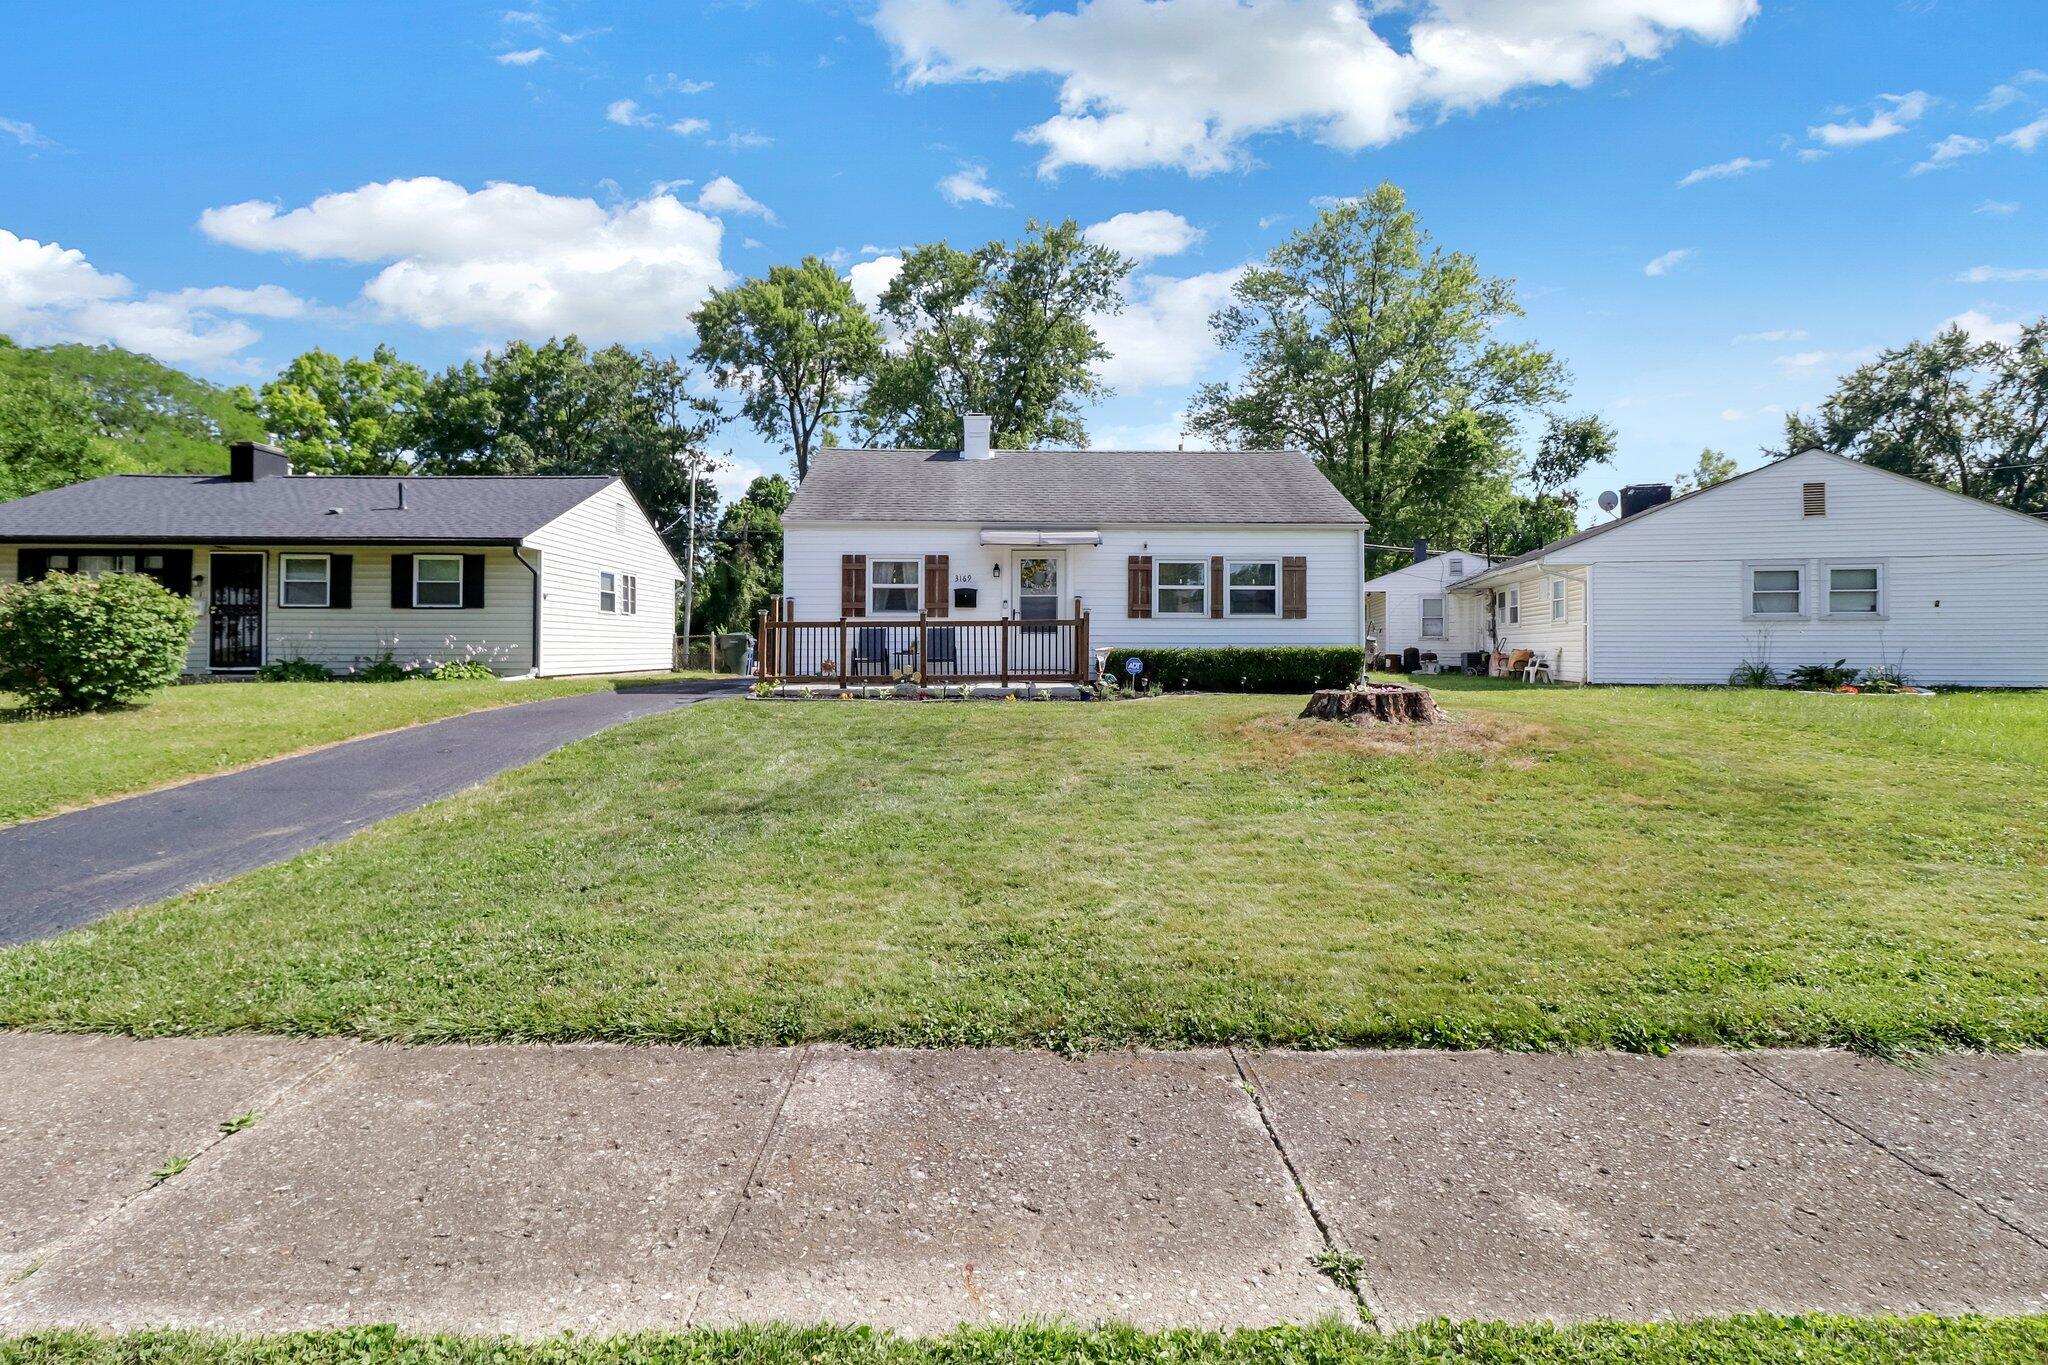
[1632, 868]
[1753, 1340]
[55, 762]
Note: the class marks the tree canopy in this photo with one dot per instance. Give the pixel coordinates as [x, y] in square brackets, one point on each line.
[747, 569]
[1005, 330]
[147, 418]
[1711, 468]
[335, 416]
[797, 345]
[1378, 352]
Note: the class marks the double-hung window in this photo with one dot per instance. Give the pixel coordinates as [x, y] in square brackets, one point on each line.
[607, 590]
[1180, 588]
[1511, 607]
[1777, 590]
[1252, 587]
[1560, 606]
[437, 580]
[629, 594]
[1432, 618]
[894, 586]
[303, 581]
[92, 564]
[1855, 590]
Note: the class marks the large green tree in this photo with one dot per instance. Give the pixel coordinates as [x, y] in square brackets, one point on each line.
[147, 417]
[1959, 413]
[559, 408]
[1004, 329]
[746, 569]
[47, 434]
[1711, 468]
[1379, 353]
[797, 345]
[336, 416]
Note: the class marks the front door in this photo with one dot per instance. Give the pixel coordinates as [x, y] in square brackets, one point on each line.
[235, 612]
[1038, 584]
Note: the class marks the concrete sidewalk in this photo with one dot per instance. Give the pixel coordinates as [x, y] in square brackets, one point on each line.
[529, 1190]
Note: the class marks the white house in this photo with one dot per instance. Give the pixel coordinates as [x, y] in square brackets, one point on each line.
[1809, 559]
[1412, 607]
[530, 574]
[1079, 549]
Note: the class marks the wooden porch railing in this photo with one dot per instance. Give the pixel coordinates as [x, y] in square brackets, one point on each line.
[863, 651]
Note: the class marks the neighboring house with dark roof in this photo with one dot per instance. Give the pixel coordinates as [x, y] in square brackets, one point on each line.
[1151, 547]
[1805, 560]
[529, 574]
[1411, 607]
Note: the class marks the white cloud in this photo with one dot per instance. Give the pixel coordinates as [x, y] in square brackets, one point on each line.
[969, 185]
[628, 114]
[870, 278]
[1162, 335]
[1994, 274]
[669, 83]
[1145, 235]
[1999, 96]
[1722, 170]
[724, 195]
[742, 142]
[2027, 136]
[1893, 115]
[1997, 208]
[24, 133]
[523, 57]
[1803, 360]
[508, 260]
[1983, 327]
[1186, 85]
[1668, 262]
[1781, 334]
[50, 293]
[689, 127]
[1950, 149]
[1732, 414]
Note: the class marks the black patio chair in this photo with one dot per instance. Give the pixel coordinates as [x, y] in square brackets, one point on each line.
[871, 651]
[941, 650]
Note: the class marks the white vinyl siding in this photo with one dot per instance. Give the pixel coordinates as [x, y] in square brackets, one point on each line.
[1524, 618]
[1396, 602]
[1097, 575]
[570, 552]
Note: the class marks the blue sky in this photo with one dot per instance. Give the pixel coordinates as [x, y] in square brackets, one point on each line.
[1711, 206]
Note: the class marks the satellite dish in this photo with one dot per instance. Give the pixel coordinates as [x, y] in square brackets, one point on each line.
[1608, 501]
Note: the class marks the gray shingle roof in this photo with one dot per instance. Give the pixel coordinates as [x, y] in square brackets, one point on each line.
[1071, 488]
[295, 508]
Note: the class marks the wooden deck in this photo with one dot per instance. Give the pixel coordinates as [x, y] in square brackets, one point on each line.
[858, 649]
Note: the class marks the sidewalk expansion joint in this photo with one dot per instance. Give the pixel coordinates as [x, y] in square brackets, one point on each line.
[1362, 1297]
[799, 1055]
[1902, 1158]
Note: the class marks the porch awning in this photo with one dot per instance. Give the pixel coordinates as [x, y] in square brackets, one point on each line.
[1009, 535]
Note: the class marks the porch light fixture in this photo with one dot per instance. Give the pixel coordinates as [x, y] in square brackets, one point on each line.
[996, 570]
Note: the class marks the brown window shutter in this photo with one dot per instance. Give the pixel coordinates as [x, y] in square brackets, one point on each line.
[938, 580]
[1294, 587]
[1138, 588]
[1215, 585]
[853, 585]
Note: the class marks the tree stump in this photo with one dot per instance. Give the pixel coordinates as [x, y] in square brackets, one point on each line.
[1382, 702]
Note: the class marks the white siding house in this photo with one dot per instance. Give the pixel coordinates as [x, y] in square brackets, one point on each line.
[1412, 607]
[529, 575]
[1810, 559]
[1154, 548]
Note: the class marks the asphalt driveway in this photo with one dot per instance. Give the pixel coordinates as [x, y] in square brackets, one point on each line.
[68, 870]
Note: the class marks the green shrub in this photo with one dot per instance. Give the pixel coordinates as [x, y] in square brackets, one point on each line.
[78, 644]
[382, 669]
[294, 669]
[1243, 668]
[1822, 677]
[1753, 673]
[461, 670]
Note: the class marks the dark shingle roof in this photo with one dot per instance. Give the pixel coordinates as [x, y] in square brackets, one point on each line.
[295, 508]
[1071, 488]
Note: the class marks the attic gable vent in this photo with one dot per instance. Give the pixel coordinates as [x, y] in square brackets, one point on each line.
[1816, 500]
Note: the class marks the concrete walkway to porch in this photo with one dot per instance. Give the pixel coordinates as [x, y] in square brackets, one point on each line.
[596, 1188]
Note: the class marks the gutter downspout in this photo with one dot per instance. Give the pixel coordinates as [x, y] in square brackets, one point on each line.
[519, 553]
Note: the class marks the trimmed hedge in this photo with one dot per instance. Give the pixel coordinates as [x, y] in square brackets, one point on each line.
[1243, 668]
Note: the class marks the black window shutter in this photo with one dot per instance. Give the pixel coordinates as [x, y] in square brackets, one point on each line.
[177, 572]
[32, 565]
[472, 580]
[341, 580]
[401, 581]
